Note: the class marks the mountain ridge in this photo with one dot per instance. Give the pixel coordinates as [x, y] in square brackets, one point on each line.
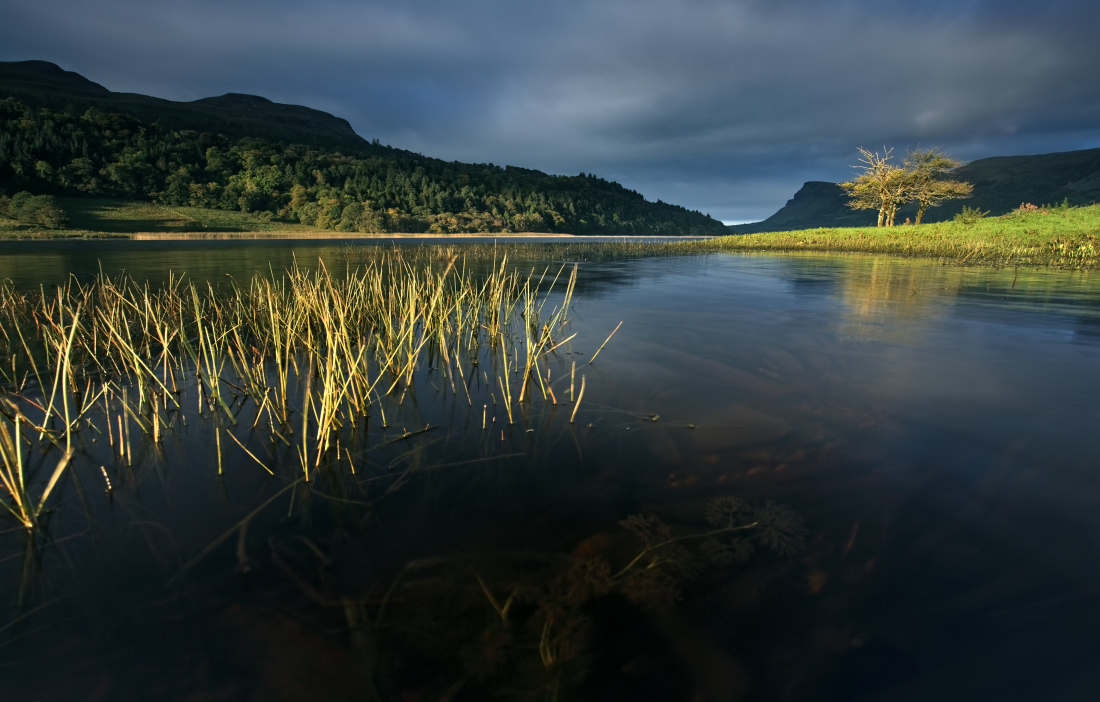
[1001, 184]
[45, 84]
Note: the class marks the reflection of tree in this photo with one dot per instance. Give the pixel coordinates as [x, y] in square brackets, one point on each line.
[878, 291]
[884, 290]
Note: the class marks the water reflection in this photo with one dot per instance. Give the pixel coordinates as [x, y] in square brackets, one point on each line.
[29, 264]
[932, 426]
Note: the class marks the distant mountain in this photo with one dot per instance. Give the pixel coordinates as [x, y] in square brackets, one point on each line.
[1001, 184]
[44, 84]
[62, 134]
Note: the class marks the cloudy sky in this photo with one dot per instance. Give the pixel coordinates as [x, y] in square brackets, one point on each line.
[726, 106]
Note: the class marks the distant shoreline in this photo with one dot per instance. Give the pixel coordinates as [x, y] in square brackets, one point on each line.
[184, 236]
[1057, 237]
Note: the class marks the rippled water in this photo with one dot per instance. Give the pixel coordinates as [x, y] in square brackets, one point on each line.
[934, 427]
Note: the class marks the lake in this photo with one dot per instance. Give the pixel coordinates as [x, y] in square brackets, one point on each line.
[790, 477]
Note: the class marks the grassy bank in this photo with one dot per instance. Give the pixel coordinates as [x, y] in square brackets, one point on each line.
[96, 218]
[1056, 237]
[103, 217]
[1063, 237]
[1060, 237]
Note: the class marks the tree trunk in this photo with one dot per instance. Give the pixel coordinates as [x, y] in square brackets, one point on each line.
[881, 215]
[920, 212]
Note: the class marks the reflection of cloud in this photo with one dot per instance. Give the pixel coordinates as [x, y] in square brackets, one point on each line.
[674, 97]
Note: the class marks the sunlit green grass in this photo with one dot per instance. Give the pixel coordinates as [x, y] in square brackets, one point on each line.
[1064, 237]
[1061, 237]
[1058, 237]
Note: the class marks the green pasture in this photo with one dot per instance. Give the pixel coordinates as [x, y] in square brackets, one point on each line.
[1064, 237]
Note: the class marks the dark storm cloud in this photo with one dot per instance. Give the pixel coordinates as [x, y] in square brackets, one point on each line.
[722, 106]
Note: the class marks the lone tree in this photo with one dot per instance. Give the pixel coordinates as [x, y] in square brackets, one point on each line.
[880, 186]
[931, 187]
[883, 186]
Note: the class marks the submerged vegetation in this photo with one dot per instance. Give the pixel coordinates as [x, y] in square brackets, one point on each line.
[522, 622]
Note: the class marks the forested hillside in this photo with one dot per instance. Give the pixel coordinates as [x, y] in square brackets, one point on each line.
[93, 152]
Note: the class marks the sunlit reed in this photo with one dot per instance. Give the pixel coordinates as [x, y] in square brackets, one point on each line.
[316, 353]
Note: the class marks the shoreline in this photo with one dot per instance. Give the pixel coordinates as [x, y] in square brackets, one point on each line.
[328, 234]
[1058, 237]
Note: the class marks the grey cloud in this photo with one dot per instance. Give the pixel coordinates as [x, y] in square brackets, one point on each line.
[722, 106]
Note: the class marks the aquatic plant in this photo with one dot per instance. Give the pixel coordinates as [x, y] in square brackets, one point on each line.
[22, 504]
[317, 354]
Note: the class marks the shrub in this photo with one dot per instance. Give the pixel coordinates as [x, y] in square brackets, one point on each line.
[970, 215]
[37, 209]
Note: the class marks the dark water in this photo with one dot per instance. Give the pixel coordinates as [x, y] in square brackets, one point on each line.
[29, 264]
[934, 427]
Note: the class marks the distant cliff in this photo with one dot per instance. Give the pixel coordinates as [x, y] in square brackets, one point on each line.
[1000, 183]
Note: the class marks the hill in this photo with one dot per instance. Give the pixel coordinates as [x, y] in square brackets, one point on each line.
[1001, 184]
[64, 135]
[44, 84]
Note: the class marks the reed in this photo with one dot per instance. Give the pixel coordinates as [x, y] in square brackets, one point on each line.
[578, 405]
[13, 473]
[604, 343]
[316, 353]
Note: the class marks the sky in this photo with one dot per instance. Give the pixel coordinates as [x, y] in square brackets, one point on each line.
[723, 106]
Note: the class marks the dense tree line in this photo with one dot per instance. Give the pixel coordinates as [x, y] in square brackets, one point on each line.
[104, 154]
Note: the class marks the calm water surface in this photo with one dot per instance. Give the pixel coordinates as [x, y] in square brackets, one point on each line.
[934, 427]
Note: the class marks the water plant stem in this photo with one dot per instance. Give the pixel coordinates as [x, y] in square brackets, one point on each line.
[578, 404]
[604, 343]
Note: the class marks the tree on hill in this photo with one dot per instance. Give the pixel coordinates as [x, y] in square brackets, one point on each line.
[886, 187]
[928, 169]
